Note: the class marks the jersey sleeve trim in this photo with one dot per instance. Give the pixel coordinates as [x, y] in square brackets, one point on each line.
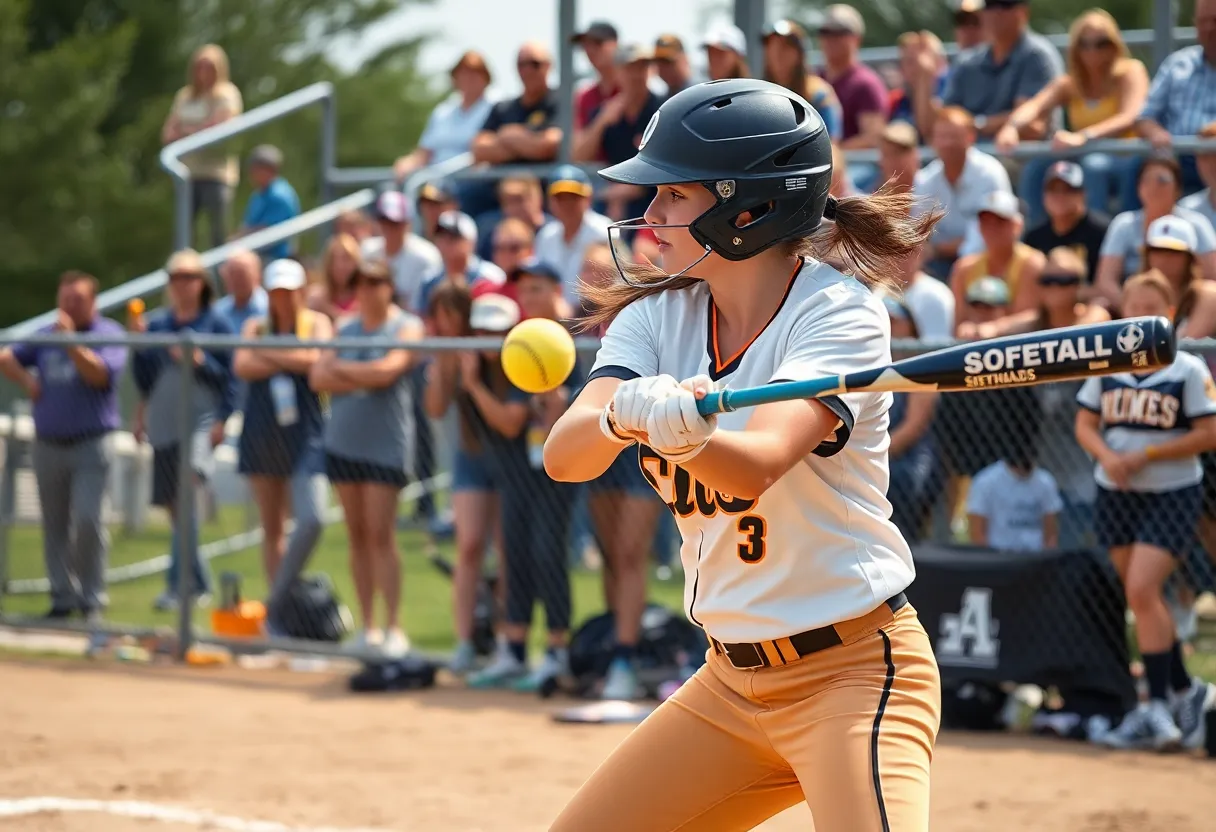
[836, 442]
[613, 371]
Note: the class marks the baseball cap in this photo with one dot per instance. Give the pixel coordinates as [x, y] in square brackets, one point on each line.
[570, 179]
[901, 134]
[1171, 233]
[436, 192]
[668, 46]
[598, 30]
[839, 17]
[632, 53]
[393, 207]
[1070, 173]
[536, 268]
[726, 36]
[266, 154]
[283, 274]
[493, 313]
[784, 29]
[458, 224]
[990, 291]
[1003, 204]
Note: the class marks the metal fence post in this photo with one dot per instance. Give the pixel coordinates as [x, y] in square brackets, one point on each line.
[567, 21]
[8, 495]
[184, 510]
[329, 140]
[750, 16]
[183, 219]
[1164, 14]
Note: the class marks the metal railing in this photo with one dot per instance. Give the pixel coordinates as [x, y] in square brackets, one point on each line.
[1133, 37]
[171, 155]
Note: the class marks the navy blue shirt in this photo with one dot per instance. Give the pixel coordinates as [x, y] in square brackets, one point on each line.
[214, 373]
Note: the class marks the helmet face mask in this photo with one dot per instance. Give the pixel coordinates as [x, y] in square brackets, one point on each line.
[759, 149]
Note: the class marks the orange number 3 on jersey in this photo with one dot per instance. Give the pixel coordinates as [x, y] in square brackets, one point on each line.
[754, 530]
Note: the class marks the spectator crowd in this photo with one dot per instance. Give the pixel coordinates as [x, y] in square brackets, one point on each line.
[1083, 237]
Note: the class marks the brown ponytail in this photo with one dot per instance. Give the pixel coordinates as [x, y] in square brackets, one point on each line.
[871, 236]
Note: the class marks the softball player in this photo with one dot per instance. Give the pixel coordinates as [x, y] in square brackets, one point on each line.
[1146, 432]
[820, 683]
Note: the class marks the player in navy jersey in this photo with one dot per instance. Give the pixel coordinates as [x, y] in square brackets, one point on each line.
[1146, 432]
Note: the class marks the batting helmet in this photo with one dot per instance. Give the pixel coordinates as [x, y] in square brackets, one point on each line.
[756, 146]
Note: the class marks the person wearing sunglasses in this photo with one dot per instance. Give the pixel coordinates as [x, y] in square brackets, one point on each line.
[158, 376]
[968, 28]
[1159, 187]
[523, 129]
[1101, 94]
[369, 445]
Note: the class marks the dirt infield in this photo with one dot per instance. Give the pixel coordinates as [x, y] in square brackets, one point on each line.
[228, 748]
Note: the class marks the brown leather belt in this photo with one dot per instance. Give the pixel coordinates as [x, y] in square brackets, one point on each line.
[747, 655]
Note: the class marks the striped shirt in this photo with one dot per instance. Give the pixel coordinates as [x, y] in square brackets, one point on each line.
[1182, 98]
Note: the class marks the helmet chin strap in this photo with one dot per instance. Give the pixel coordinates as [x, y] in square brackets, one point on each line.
[640, 223]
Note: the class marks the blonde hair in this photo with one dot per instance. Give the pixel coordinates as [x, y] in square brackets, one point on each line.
[219, 59]
[1152, 279]
[875, 234]
[957, 116]
[350, 246]
[514, 225]
[1093, 19]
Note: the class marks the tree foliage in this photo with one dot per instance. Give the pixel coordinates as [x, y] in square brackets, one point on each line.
[85, 86]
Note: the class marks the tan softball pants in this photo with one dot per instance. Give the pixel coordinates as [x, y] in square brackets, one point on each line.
[849, 729]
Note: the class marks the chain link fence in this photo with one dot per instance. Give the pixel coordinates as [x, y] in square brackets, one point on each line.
[298, 529]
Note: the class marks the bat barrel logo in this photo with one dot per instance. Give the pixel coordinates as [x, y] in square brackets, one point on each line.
[1072, 352]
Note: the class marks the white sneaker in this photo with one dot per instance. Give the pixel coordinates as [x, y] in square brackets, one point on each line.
[367, 639]
[552, 666]
[621, 682]
[165, 602]
[464, 659]
[502, 672]
[1148, 726]
[1189, 710]
[396, 643]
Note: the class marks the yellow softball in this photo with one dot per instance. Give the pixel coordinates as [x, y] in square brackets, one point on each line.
[538, 355]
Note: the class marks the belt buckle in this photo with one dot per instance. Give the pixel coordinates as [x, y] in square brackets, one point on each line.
[753, 649]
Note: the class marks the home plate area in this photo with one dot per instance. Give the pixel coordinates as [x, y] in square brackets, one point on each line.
[93, 747]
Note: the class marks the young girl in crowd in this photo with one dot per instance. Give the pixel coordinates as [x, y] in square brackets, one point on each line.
[476, 487]
[1146, 432]
[334, 294]
[369, 450]
[281, 441]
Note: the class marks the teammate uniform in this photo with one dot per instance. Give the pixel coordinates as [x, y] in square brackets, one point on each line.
[1161, 503]
[800, 592]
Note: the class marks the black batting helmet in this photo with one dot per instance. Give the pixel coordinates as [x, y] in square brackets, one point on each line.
[756, 146]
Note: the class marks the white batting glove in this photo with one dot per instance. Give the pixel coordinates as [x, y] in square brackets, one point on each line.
[676, 430]
[634, 399]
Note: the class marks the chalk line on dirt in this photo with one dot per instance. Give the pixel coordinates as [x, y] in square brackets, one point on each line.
[153, 811]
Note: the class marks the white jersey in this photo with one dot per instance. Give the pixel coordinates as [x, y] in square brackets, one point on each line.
[818, 547]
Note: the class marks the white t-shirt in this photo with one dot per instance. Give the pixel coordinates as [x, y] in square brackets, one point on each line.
[450, 129]
[932, 305]
[1014, 505]
[551, 248]
[818, 547]
[1125, 236]
[982, 174]
[411, 267]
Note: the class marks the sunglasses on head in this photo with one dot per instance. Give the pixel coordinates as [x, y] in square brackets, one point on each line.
[1095, 43]
[1060, 279]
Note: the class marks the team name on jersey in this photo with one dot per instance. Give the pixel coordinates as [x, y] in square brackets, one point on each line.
[687, 497]
[1143, 408]
[1019, 357]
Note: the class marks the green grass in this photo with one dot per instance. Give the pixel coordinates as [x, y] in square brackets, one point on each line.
[426, 601]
